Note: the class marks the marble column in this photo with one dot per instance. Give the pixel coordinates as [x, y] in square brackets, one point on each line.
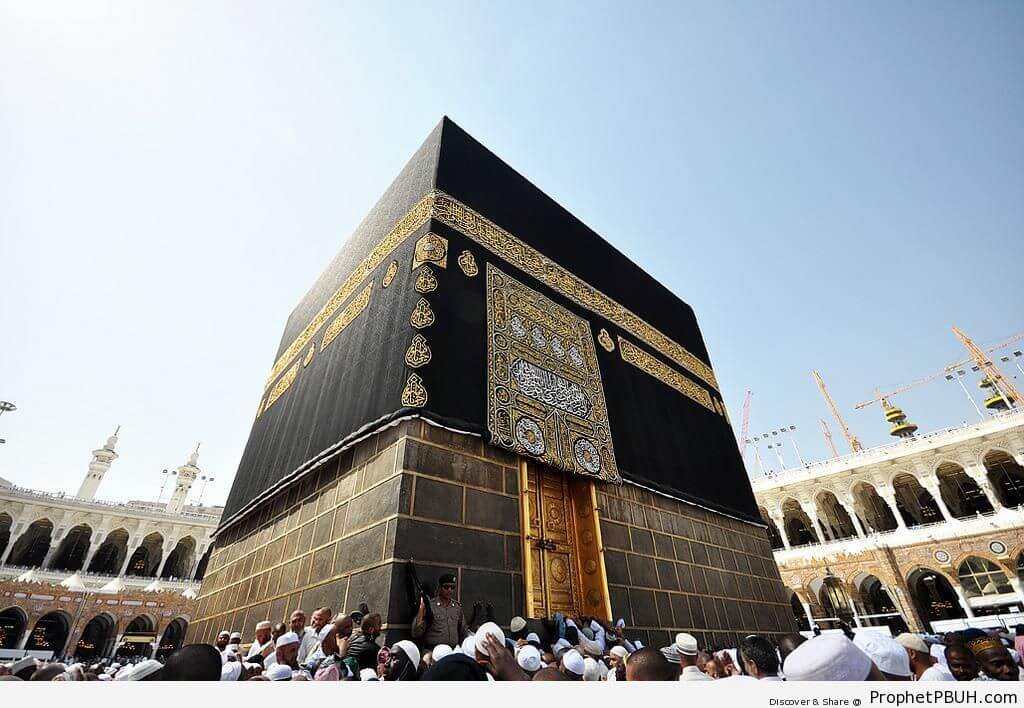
[888, 495]
[932, 485]
[980, 477]
[780, 525]
[849, 504]
[25, 635]
[55, 541]
[128, 557]
[808, 614]
[94, 545]
[166, 556]
[964, 604]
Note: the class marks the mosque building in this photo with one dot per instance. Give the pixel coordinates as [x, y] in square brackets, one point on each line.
[925, 533]
[89, 577]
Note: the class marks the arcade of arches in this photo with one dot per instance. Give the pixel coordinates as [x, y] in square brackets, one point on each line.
[909, 588]
[137, 623]
[82, 549]
[952, 490]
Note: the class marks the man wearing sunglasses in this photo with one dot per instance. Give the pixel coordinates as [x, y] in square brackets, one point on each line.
[447, 624]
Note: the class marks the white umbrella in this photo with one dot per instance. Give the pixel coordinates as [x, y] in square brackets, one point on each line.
[73, 583]
[115, 585]
[190, 594]
[154, 586]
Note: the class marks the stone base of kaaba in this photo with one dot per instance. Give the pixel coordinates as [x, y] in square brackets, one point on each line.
[343, 534]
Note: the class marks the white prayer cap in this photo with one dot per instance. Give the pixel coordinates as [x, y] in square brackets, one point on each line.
[529, 658]
[889, 655]
[469, 646]
[532, 638]
[912, 641]
[279, 672]
[367, 675]
[235, 635]
[686, 644]
[671, 653]
[410, 650]
[263, 624]
[222, 632]
[518, 624]
[827, 657]
[939, 652]
[231, 671]
[619, 651]
[560, 646]
[104, 677]
[140, 670]
[481, 634]
[441, 651]
[572, 661]
[570, 623]
[593, 670]
[286, 639]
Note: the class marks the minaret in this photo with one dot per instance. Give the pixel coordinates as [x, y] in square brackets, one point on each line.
[101, 460]
[187, 474]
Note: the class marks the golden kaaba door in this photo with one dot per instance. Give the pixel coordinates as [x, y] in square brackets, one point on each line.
[564, 567]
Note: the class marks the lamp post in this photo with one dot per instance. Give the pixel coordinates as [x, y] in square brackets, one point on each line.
[166, 474]
[6, 407]
[792, 438]
[959, 374]
[202, 489]
[1016, 360]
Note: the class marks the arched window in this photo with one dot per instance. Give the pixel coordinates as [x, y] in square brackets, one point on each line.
[934, 596]
[1007, 478]
[12, 625]
[962, 495]
[914, 502]
[32, 546]
[73, 549]
[979, 576]
[50, 633]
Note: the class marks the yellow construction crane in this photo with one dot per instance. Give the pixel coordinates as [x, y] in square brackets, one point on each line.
[828, 438]
[855, 445]
[1001, 387]
[880, 397]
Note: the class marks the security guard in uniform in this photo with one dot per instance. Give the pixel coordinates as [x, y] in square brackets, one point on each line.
[448, 624]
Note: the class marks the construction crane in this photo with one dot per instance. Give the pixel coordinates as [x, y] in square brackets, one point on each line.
[994, 379]
[828, 438]
[854, 443]
[880, 397]
[744, 440]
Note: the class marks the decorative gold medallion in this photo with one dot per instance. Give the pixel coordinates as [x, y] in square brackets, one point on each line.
[418, 353]
[431, 248]
[425, 280]
[422, 315]
[605, 340]
[309, 355]
[389, 274]
[468, 264]
[414, 395]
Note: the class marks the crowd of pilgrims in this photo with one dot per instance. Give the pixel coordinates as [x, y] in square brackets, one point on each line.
[445, 647]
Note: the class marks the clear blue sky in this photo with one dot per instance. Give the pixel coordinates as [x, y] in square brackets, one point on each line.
[830, 185]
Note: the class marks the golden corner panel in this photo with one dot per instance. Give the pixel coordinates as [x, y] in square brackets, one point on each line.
[434, 249]
[430, 248]
[665, 373]
[545, 397]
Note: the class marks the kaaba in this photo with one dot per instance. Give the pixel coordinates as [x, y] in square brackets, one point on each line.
[482, 385]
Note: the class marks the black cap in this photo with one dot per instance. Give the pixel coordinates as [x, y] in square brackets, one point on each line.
[446, 578]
